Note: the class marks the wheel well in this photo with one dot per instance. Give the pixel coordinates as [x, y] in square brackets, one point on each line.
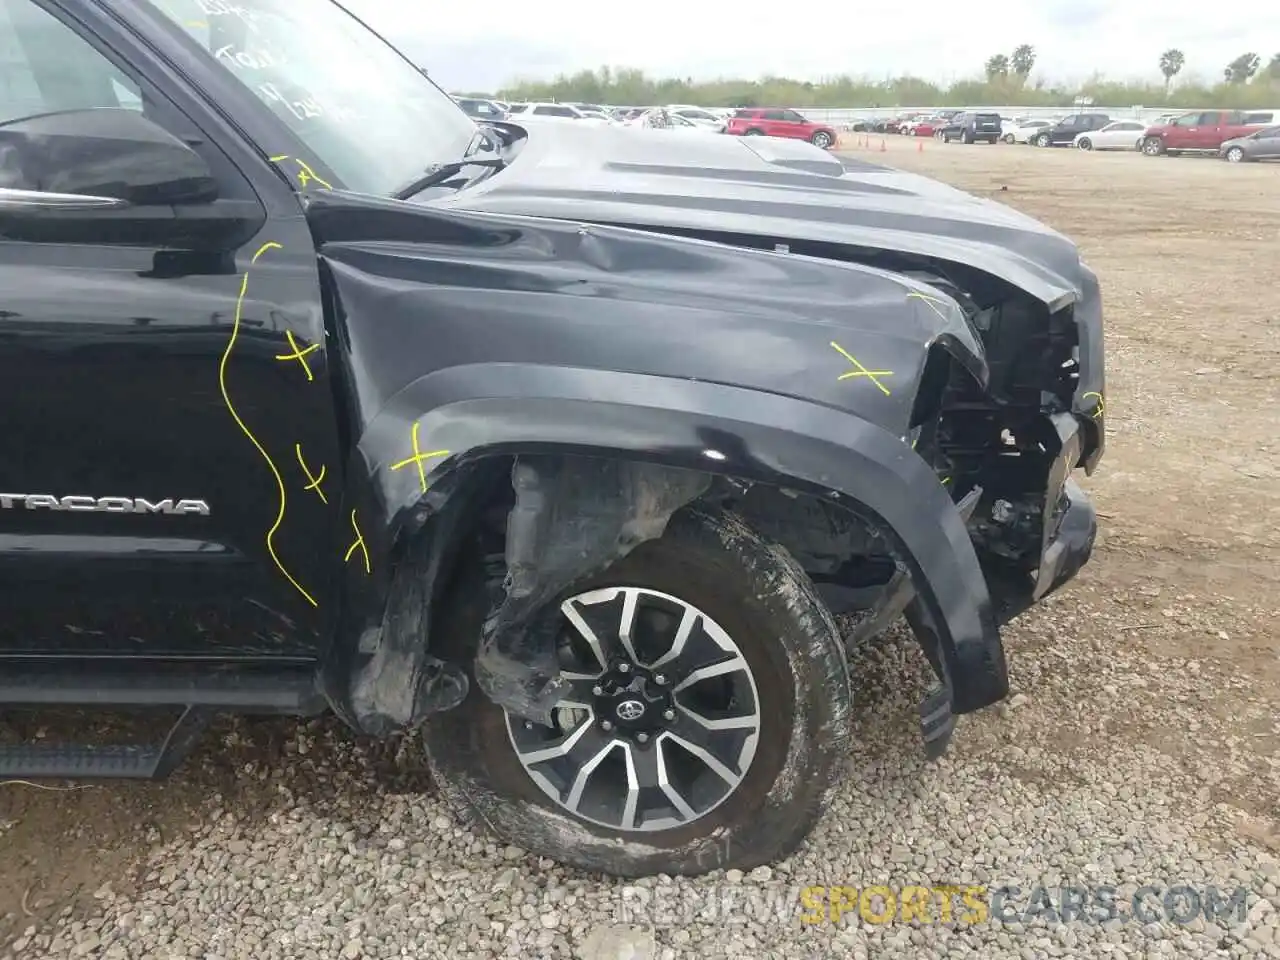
[523, 529]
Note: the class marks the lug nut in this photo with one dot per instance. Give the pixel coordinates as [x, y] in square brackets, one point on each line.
[668, 714]
[597, 690]
[642, 737]
[660, 679]
[624, 667]
[606, 725]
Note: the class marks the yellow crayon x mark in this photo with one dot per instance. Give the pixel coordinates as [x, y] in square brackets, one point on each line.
[358, 545]
[419, 458]
[934, 303]
[1097, 414]
[315, 480]
[862, 371]
[299, 353]
[305, 173]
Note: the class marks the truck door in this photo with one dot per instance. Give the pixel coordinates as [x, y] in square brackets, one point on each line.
[170, 464]
[1182, 133]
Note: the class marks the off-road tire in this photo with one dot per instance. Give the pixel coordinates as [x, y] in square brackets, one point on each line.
[762, 598]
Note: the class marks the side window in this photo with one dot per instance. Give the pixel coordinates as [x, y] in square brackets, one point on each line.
[46, 68]
[774, 115]
[1188, 120]
[1209, 119]
[550, 111]
[792, 116]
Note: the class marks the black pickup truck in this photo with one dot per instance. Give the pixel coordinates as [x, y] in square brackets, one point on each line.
[562, 446]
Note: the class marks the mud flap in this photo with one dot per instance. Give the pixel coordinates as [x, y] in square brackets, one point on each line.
[573, 517]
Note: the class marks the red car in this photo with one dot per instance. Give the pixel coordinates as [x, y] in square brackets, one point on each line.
[1206, 130]
[773, 122]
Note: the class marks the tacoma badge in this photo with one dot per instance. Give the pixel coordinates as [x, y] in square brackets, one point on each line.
[81, 504]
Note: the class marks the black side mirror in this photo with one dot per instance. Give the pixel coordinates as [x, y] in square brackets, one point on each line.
[101, 156]
[112, 176]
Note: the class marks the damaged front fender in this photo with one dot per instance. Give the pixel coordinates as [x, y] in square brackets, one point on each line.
[687, 429]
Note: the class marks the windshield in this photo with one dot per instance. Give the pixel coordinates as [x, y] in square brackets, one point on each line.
[363, 110]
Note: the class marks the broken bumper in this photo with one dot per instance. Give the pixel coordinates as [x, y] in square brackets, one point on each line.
[1070, 521]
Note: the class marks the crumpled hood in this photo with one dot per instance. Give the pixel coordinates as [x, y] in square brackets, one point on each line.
[763, 186]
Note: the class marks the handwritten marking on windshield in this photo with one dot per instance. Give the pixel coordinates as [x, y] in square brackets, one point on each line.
[419, 458]
[248, 59]
[1098, 411]
[861, 371]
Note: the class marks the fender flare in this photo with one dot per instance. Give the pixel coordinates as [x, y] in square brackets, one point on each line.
[481, 411]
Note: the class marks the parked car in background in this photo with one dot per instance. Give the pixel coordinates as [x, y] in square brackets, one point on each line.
[660, 118]
[1204, 130]
[1262, 145]
[925, 127]
[1116, 135]
[780, 122]
[699, 115]
[1024, 131]
[1064, 132]
[971, 127]
[554, 112]
[481, 109]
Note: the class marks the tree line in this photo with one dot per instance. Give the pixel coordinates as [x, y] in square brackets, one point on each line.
[1007, 81]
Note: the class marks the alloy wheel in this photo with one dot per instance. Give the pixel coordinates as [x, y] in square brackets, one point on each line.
[662, 719]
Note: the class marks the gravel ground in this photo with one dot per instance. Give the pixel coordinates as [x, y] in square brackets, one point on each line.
[1140, 748]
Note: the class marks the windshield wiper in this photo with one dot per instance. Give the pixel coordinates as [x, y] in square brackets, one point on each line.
[440, 172]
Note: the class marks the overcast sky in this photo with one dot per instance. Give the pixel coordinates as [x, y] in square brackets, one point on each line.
[480, 46]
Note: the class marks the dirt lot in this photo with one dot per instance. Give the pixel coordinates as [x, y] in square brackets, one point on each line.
[1158, 672]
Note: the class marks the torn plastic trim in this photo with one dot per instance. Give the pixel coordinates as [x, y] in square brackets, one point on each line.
[482, 410]
[573, 516]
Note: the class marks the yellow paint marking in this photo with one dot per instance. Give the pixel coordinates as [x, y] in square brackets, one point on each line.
[934, 303]
[271, 245]
[359, 544]
[298, 354]
[1097, 414]
[862, 371]
[315, 480]
[305, 174]
[226, 398]
[419, 458]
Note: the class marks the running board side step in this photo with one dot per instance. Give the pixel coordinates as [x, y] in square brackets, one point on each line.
[200, 691]
[67, 761]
